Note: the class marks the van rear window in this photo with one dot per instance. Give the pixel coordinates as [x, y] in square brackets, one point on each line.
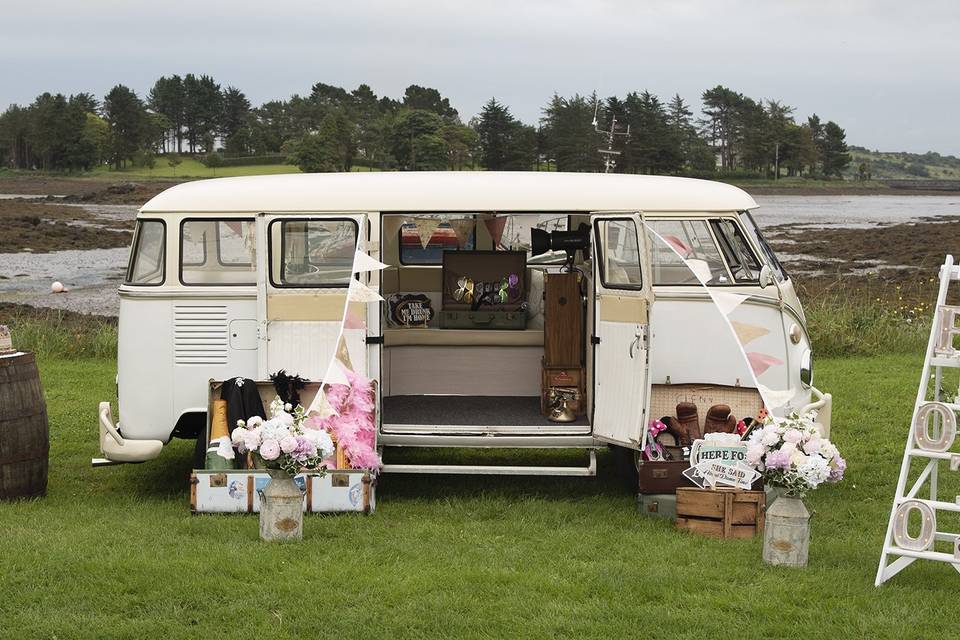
[147, 256]
[218, 252]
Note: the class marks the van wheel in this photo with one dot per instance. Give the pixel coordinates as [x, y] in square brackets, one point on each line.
[200, 452]
[626, 463]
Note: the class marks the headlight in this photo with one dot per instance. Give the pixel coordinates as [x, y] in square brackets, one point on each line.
[806, 369]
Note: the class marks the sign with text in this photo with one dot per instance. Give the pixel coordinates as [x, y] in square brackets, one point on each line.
[708, 474]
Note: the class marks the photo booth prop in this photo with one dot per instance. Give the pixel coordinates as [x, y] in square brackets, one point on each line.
[931, 442]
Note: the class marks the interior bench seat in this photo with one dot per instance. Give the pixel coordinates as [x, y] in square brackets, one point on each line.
[462, 338]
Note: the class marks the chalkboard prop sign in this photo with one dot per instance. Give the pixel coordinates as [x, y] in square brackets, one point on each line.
[409, 310]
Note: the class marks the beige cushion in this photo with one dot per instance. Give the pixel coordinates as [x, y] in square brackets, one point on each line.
[463, 337]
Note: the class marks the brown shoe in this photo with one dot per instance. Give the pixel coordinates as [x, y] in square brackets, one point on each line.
[689, 423]
[719, 419]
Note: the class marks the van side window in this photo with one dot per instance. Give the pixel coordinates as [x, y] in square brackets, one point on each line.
[619, 254]
[217, 252]
[687, 250]
[313, 253]
[147, 257]
[744, 266]
[443, 238]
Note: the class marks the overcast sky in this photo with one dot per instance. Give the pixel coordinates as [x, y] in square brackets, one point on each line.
[885, 71]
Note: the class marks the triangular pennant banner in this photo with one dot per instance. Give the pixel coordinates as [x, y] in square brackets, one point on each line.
[462, 228]
[343, 353]
[727, 302]
[425, 229]
[360, 292]
[760, 362]
[747, 333]
[774, 399]
[495, 226]
[362, 263]
[321, 407]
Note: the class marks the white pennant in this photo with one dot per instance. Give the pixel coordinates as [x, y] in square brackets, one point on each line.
[727, 302]
[360, 292]
[774, 399]
[362, 262]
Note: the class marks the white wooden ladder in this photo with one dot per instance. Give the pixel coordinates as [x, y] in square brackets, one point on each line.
[927, 444]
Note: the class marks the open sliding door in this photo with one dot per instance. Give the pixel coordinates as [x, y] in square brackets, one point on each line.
[621, 321]
[302, 293]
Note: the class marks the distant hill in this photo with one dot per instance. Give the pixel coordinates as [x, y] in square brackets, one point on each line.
[899, 165]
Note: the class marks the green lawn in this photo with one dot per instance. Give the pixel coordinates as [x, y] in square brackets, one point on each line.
[115, 552]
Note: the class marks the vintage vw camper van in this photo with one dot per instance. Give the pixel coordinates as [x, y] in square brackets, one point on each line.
[245, 276]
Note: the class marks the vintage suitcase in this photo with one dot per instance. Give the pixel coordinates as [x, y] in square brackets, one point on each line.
[662, 477]
[562, 320]
[721, 513]
[484, 290]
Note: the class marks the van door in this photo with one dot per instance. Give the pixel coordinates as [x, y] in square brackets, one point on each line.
[621, 327]
[302, 286]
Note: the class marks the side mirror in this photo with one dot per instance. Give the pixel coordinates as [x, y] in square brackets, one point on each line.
[766, 276]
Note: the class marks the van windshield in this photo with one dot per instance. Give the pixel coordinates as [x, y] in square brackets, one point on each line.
[714, 251]
[769, 257]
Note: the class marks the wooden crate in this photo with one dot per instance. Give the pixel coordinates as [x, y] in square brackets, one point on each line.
[721, 513]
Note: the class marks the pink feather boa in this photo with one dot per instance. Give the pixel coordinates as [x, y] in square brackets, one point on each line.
[354, 428]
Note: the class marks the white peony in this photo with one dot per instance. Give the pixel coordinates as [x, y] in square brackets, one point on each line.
[251, 439]
[237, 436]
[770, 436]
[254, 422]
[814, 470]
[321, 439]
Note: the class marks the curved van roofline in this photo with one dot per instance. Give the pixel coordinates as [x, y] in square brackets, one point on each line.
[449, 191]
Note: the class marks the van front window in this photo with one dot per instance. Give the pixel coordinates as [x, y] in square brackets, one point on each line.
[686, 252]
[769, 257]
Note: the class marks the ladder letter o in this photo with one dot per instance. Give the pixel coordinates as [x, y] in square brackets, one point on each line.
[948, 431]
[928, 526]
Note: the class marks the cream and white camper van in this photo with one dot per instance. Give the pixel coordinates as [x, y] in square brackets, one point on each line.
[246, 276]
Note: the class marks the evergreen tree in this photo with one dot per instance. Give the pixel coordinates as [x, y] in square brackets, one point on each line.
[572, 141]
[125, 114]
[417, 141]
[168, 97]
[835, 156]
[202, 110]
[428, 99]
[236, 111]
[505, 144]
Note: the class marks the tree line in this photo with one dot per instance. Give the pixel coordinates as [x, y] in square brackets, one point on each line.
[332, 129]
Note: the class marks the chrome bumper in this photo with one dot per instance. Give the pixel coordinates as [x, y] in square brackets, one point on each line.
[118, 450]
[822, 403]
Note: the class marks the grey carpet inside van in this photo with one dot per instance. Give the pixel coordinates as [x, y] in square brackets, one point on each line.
[477, 411]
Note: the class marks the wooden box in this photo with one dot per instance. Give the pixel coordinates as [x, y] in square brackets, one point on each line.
[721, 513]
[562, 320]
[662, 476]
[570, 379]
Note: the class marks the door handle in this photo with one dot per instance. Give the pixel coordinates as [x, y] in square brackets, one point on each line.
[640, 335]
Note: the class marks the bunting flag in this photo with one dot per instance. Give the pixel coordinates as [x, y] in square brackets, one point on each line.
[773, 398]
[343, 353]
[462, 228]
[495, 227]
[360, 292]
[363, 263]
[747, 333]
[760, 362]
[425, 229]
[727, 302]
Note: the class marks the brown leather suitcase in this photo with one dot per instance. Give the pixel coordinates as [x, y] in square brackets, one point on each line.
[663, 477]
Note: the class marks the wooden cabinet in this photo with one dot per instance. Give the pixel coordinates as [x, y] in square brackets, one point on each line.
[562, 321]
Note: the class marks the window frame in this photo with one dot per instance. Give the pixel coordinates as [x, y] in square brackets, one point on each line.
[601, 268]
[431, 264]
[283, 238]
[135, 250]
[181, 264]
[764, 247]
[724, 246]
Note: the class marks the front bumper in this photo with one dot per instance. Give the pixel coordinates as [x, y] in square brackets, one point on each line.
[822, 403]
[118, 450]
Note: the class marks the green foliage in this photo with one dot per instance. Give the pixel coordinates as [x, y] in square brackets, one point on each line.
[128, 122]
[314, 153]
[144, 158]
[570, 137]
[417, 142]
[60, 334]
[504, 143]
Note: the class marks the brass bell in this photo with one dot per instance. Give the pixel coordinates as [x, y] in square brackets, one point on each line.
[560, 411]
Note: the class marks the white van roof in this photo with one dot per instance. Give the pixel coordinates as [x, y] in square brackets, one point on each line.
[449, 191]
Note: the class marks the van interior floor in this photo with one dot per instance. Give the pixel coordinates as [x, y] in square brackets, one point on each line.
[505, 411]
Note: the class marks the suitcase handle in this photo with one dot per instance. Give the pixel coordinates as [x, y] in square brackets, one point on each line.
[479, 320]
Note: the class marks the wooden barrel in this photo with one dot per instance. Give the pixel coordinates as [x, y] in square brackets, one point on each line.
[24, 434]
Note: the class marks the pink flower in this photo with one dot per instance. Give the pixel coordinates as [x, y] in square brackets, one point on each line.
[837, 466]
[812, 445]
[792, 435]
[288, 444]
[270, 450]
[778, 460]
[755, 453]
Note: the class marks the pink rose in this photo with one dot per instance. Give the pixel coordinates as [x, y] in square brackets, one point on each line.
[270, 450]
[288, 444]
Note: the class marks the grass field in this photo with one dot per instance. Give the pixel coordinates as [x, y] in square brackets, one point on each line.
[114, 552]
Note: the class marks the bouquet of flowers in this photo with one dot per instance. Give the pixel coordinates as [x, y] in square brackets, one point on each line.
[284, 441]
[791, 453]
